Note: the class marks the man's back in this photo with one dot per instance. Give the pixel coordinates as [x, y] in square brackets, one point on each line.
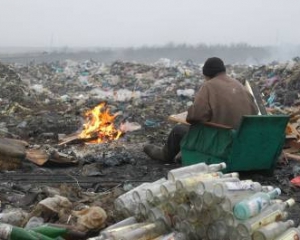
[222, 100]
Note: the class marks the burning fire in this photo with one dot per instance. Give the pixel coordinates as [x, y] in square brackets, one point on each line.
[99, 126]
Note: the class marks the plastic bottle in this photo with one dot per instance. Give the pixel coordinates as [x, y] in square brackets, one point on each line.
[272, 230]
[254, 204]
[174, 174]
[290, 234]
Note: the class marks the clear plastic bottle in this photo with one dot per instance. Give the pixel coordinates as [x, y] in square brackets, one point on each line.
[174, 174]
[290, 234]
[255, 204]
[272, 230]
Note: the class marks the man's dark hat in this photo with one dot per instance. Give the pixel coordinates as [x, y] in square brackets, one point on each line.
[213, 66]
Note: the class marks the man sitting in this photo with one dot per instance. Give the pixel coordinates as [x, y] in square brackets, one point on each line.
[220, 100]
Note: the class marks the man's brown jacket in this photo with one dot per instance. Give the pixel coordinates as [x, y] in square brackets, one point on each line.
[221, 100]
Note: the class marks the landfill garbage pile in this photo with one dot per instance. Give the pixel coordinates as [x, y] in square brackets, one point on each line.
[279, 83]
[44, 105]
[199, 202]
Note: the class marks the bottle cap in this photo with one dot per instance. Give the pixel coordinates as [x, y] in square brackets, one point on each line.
[223, 165]
[290, 202]
[235, 175]
[278, 191]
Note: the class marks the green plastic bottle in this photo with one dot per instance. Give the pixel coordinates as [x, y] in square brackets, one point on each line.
[254, 204]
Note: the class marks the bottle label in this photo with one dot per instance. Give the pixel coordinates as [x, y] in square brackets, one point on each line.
[5, 231]
[235, 186]
[271, 217]
[256, 205]
[289, 235]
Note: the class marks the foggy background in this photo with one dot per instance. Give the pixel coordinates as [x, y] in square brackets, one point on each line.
[253, 31]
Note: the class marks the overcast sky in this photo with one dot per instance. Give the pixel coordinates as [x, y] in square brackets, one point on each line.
[123, 23]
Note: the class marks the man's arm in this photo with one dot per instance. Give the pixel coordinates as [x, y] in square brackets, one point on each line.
[200, 111]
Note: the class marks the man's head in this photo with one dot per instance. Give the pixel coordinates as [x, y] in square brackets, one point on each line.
[212, 67]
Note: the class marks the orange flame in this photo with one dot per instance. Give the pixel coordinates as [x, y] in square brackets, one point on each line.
[100, 125]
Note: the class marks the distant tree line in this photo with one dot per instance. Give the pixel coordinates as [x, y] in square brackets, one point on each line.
[233, 53]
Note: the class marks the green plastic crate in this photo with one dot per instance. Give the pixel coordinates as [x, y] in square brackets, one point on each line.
[256, 145]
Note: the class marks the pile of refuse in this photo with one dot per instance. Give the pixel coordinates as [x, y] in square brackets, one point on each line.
[43, 103]
[200, 202]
